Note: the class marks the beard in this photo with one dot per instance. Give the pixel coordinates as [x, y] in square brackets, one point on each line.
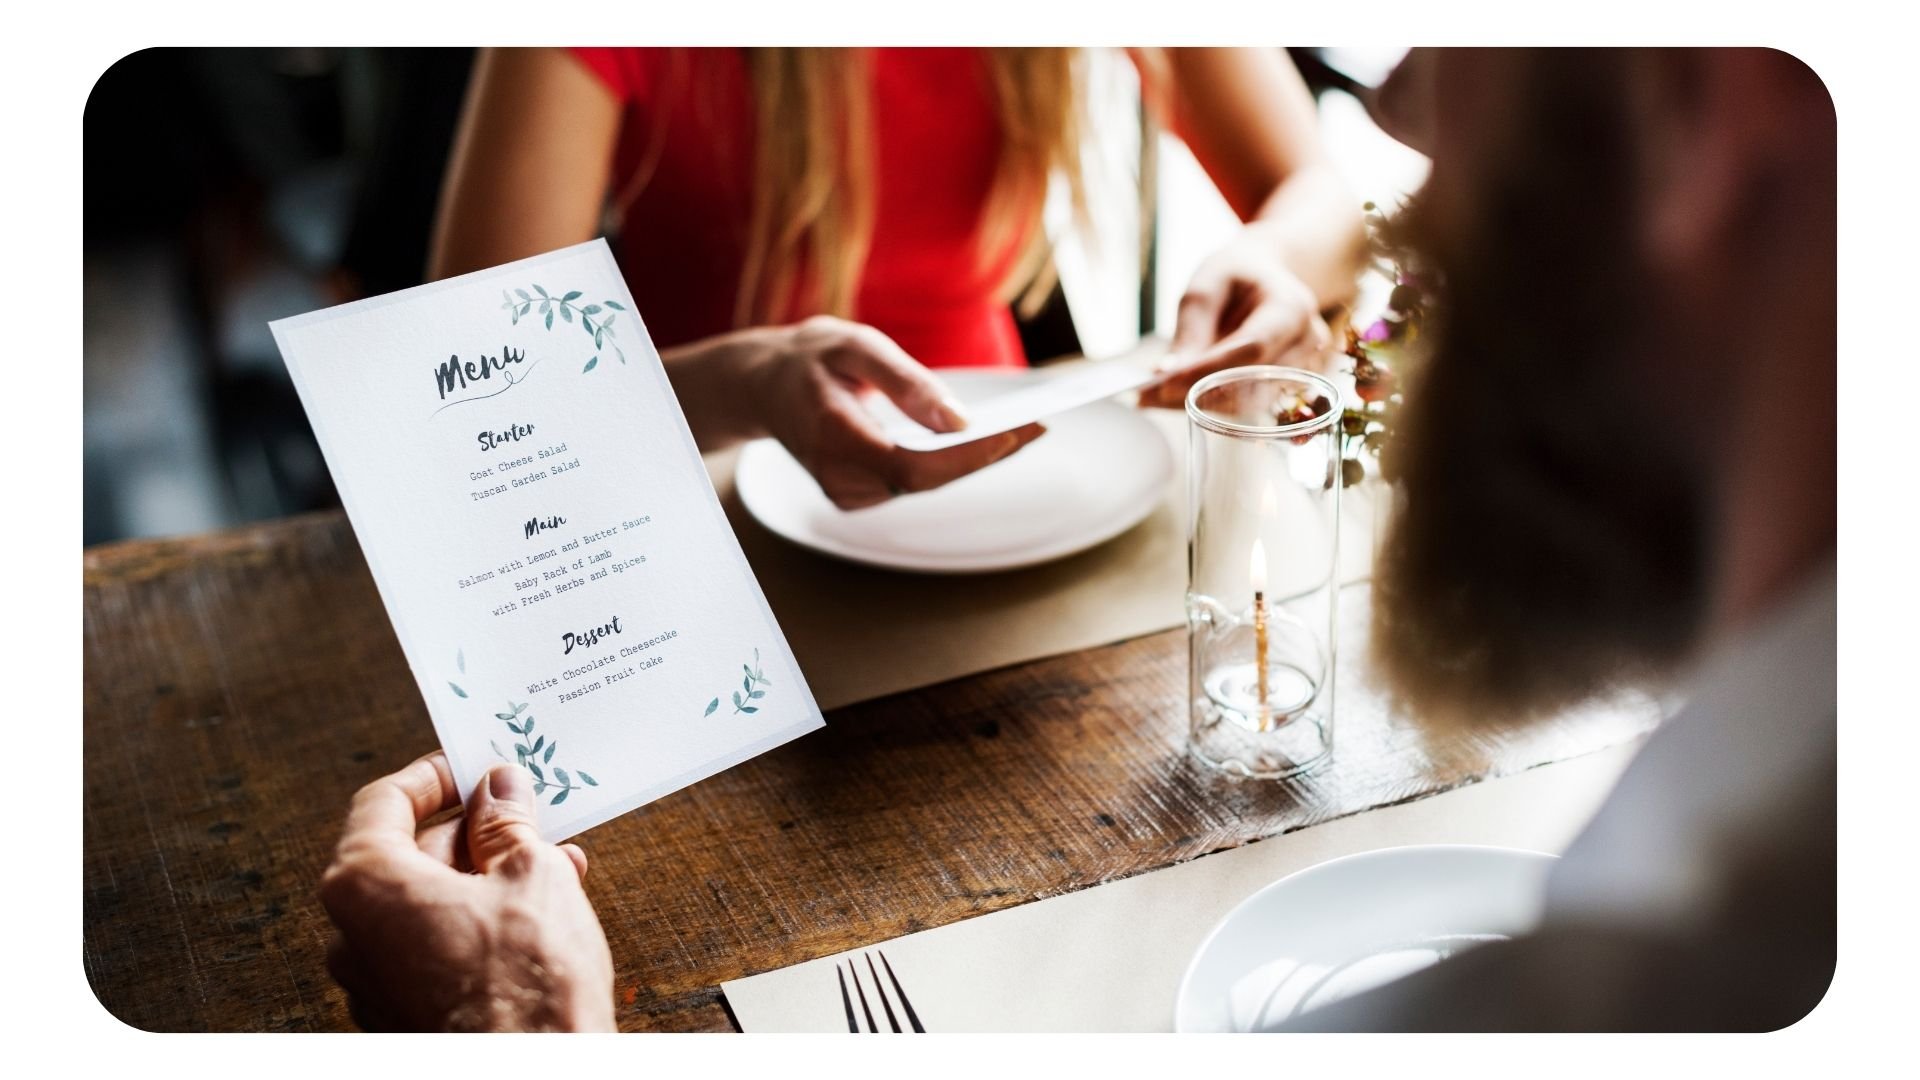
[1547, 545]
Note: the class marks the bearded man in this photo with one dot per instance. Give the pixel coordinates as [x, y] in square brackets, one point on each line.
[1618, 469]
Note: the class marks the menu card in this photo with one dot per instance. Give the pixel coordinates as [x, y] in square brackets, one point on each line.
[545, 538]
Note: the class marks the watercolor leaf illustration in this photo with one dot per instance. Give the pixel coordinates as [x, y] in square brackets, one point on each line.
[753, 687]
[532, 751]
[596, 319]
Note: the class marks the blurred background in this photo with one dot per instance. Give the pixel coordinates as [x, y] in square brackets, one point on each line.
[229, 187]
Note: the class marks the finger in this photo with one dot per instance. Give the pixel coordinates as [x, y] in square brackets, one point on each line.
[386, 812]
[924, 471]
[852, 463]
[1171, 391]
[579, 858]
[872, 357]
[1269, 332]
[853, 459]
[1196, 322]
[1312, 350]
[500, 830]
[441, 840]
[858, 493]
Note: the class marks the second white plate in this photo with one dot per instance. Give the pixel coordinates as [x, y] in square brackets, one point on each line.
[1099, 471]
[1349, 925]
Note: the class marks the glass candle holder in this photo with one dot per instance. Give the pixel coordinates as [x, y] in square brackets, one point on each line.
[1262, 569]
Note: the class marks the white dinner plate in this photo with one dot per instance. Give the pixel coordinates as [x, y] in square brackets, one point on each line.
[1097, 472]
[1333, 930]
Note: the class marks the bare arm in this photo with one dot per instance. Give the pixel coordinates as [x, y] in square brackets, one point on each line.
[530, 163]
[1250, 121]
[1264, 298]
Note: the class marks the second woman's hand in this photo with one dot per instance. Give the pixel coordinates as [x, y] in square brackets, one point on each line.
[1243, 306]
[802, 384]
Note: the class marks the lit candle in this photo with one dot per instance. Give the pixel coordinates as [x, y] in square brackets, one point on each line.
[1257, 572]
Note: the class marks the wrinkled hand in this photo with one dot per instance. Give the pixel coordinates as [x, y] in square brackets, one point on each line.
[469, 924]
[806, 383]
[1243, 306]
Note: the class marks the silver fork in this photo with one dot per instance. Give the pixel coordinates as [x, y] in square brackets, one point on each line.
[886, 1006]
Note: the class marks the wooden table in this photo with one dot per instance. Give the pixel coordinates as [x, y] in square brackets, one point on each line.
[241, 685]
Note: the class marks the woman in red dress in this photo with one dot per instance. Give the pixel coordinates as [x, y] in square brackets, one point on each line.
[800, 226]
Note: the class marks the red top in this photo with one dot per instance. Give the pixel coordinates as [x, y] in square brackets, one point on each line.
[937, 140]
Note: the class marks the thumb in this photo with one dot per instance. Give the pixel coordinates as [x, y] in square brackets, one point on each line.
[1195, 324]
[500, 820]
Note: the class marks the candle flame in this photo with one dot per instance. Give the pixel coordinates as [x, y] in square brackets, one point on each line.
[1257, 567]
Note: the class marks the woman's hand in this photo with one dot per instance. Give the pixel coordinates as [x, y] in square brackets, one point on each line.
[469, 924]
[1243, 306]
[803, 384]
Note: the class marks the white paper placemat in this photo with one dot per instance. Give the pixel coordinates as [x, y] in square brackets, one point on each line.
[1110, 958]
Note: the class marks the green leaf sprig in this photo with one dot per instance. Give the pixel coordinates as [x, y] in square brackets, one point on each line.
[533, 751]
[595, 319]
[753, 683]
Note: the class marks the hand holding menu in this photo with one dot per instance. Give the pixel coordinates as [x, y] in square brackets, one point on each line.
[544, 536]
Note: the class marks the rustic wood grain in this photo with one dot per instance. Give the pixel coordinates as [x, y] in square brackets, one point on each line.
[240, 686]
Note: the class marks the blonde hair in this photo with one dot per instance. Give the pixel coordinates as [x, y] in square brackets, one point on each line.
[814, 188]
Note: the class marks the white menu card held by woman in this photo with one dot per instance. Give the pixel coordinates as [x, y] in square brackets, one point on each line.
[544, 536]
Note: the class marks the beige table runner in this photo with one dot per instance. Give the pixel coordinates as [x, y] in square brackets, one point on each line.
[861, 632]
[1110, 958]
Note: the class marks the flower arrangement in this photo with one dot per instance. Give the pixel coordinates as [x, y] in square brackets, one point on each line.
[1382, 355]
